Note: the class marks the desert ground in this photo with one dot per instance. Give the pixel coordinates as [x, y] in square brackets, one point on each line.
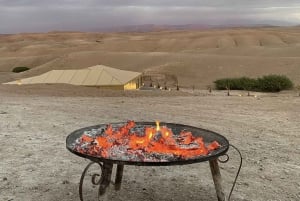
[36, 119]
[196, 58]
[35, 164]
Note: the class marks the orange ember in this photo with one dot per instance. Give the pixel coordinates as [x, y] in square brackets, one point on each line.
[158, 140]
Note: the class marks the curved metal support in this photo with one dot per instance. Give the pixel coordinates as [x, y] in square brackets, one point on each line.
[102, 180]
[217, 176]
[239, 169]
[225, 160]
[94, 176]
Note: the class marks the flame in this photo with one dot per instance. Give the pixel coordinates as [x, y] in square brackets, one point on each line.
[157, 126]
[139, 141]
[150, 135]
[157, 139]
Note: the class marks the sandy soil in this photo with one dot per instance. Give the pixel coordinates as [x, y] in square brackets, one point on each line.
[35, 164]
[197, 58]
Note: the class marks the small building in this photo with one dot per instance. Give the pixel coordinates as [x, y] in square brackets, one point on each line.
[97, 76]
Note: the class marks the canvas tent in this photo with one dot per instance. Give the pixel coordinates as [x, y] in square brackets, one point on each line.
[100, 76]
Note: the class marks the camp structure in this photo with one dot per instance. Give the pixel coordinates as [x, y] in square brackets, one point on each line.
[98, 76]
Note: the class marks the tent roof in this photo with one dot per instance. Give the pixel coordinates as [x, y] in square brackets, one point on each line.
[93, 76]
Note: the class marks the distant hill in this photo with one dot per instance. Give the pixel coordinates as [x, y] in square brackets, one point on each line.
[194, 57]
[153, 27]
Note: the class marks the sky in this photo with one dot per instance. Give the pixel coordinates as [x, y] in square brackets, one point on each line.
[90, 15]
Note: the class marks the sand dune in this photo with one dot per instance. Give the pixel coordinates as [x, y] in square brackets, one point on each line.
[195, 57]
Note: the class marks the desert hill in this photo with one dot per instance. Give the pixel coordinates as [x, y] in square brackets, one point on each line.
[195, 57]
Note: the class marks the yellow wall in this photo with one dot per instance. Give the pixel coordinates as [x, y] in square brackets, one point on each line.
[133, 84]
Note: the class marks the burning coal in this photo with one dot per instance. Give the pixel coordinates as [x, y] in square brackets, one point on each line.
[142, 143]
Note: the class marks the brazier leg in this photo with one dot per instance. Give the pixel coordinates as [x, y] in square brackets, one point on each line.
[215, 171]
[119, 176]
[105, 178]
[94, 178]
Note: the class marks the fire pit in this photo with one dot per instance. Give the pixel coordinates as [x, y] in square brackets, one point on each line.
[147, 144]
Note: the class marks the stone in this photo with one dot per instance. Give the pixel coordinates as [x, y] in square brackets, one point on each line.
[65, 182]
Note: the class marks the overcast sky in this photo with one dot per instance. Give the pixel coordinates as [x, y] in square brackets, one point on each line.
[84, 15]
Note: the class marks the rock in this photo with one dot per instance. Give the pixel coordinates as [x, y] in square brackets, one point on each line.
[244, 183]
[65, 182]
[257, 162]
[4, 178]
[266, 178]
[282, 177]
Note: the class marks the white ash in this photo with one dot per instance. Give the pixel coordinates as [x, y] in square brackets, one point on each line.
[189, 146]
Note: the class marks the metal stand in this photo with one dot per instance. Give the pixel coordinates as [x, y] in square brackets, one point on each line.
[119, 176]
[105, 178]
[216, 175]
[106, 172]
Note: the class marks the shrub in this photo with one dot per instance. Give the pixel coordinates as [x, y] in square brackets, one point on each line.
[248, 84]
[269, 83]
[20, 69]
[223, 84]
[274, 83]
[243, 83]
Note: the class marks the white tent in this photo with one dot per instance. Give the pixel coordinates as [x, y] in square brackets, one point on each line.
[99, 76]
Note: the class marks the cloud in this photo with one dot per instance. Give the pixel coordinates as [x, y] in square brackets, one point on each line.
[45, 15]
[149, 3]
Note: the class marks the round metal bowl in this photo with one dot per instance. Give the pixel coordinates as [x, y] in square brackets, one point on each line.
[208, 137]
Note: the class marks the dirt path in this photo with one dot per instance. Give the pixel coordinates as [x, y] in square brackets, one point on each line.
[35, 165]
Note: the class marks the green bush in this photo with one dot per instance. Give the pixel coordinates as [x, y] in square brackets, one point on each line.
[222, 84]
[243, 83]
[274, 83]
[248, 84]
[269, 83]
[20, 69]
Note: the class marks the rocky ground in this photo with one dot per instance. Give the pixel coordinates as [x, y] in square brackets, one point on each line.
[35, 164]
